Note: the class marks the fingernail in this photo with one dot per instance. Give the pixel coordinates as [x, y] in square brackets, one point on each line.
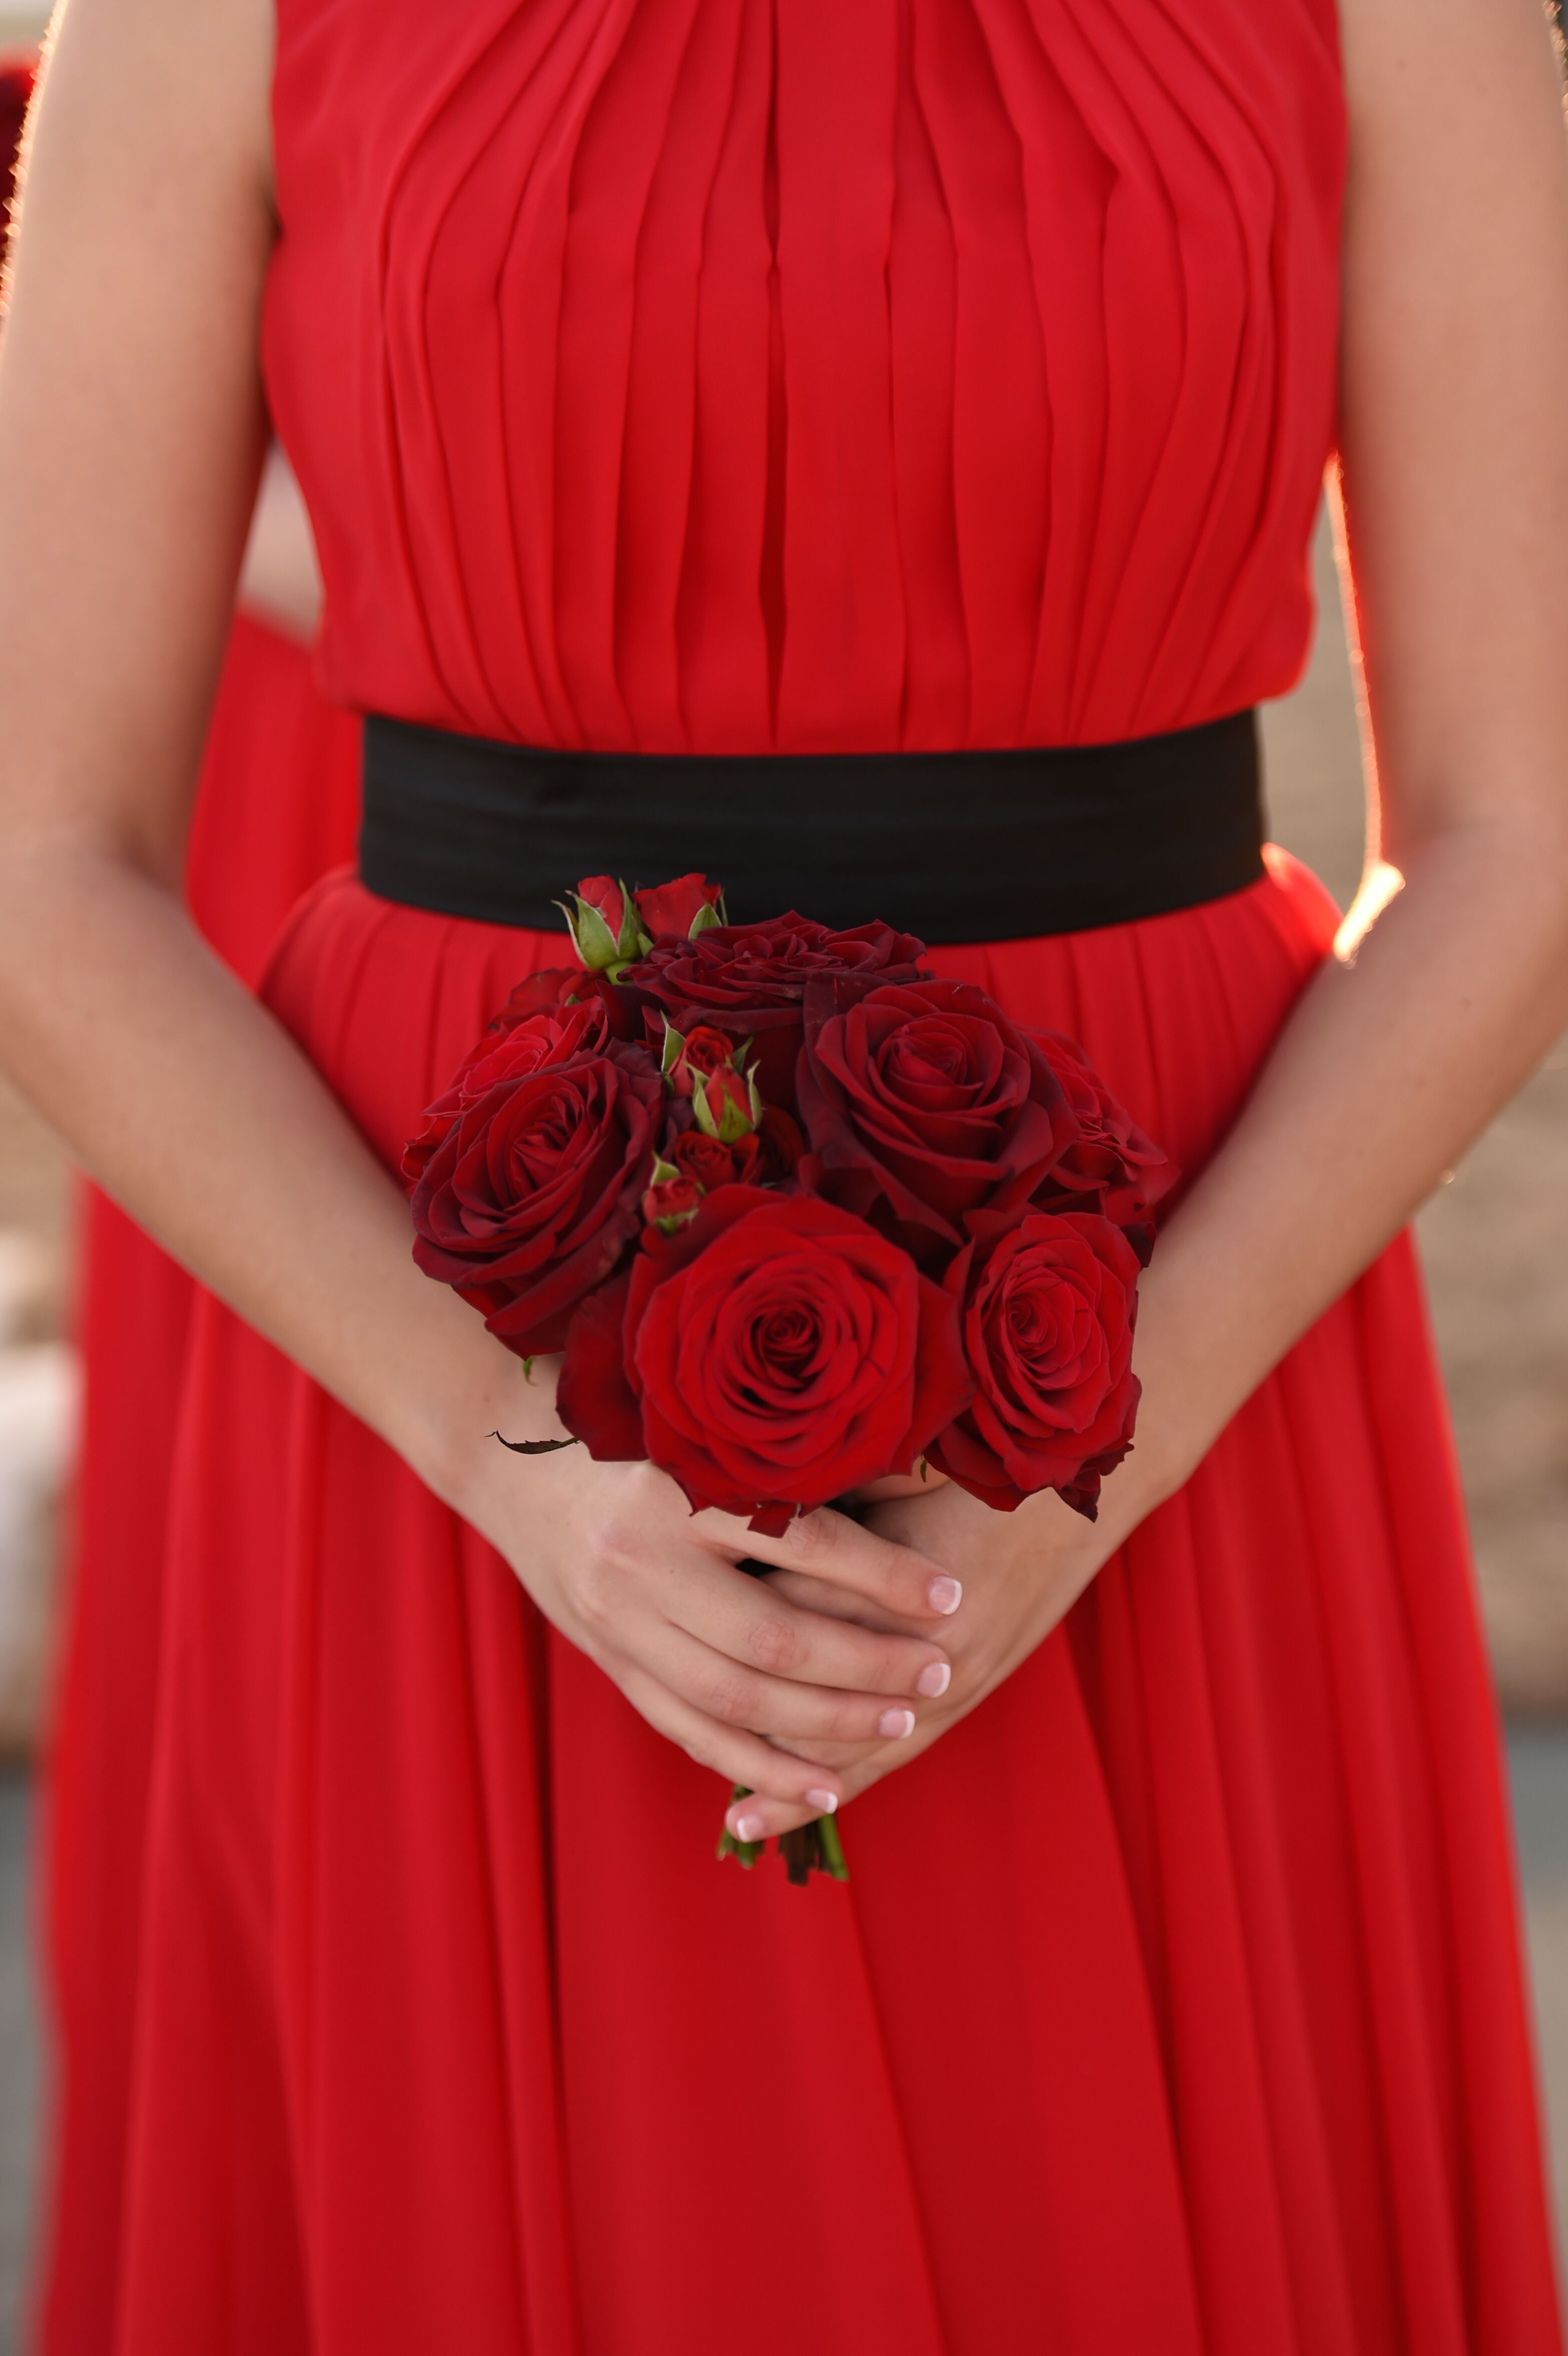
[824, 1803]
[944, 1594]
[895, 1723]
[749, 1828]
[934, 1679]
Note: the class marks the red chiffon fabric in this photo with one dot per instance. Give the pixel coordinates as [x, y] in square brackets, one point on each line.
[1173, 2003]
[716, 374]
[275, 808]
[725, 375]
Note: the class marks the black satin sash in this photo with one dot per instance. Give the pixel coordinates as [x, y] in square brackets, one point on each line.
[985, 846]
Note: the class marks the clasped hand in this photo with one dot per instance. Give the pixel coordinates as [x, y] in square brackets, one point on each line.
[870, 1637]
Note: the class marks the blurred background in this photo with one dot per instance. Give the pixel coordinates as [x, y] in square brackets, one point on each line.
[1495, 1239]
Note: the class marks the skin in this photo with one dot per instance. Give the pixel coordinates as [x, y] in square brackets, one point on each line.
[131, 437]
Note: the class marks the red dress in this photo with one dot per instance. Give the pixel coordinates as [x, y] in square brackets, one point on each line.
[725, 374]
[275, 808]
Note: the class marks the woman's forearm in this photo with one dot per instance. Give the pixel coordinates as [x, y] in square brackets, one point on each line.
[1391, 1063]
[199, 1114]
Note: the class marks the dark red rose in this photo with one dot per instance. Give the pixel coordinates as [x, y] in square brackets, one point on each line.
[527, 1179]
[783, 1352]
[533, 1028]
[675, 911]
[922, 1102]
[1110, 1166]
[1049, 1309]
[558, 985]
[749, 981]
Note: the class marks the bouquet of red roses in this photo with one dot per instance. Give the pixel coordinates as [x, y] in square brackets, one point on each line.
[798, 1213]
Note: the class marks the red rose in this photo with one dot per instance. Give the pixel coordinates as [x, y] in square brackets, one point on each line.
[782, 1352]
[527, 1179]
[922, 1097]
[1047, 1331]
[675, 911]
[556, 985]
[533, 1028]
[1110, 1166]
[749, 981]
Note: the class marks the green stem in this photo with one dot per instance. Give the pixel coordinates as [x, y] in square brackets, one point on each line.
[813, 1847]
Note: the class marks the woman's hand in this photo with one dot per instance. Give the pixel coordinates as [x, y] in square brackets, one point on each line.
[746, 1679]
[1021, 1573]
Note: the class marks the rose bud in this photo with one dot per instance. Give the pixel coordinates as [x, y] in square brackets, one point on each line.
[690, 1057]
[682, 910]
[672, 1199]
[713, 1164]
[701, 1068]
[727, 1106]
[605, 929]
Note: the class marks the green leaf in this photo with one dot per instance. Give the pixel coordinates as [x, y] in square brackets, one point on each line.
[706, 920]
[674, 1047]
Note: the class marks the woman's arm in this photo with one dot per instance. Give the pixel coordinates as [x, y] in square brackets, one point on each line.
[1447, 991]
[131, 435]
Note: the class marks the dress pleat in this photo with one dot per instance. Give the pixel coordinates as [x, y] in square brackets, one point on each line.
[1172, 2002]
[274, 808]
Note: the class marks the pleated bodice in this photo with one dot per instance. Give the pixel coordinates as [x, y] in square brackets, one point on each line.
[738, 375]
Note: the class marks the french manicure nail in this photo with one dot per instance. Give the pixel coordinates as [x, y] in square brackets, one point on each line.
[896, 1723]
[934, 1679]
[749, 1828]
[944, 1594]
[824, 1803]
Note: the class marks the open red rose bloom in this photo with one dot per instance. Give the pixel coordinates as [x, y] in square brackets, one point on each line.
[800, 1215]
